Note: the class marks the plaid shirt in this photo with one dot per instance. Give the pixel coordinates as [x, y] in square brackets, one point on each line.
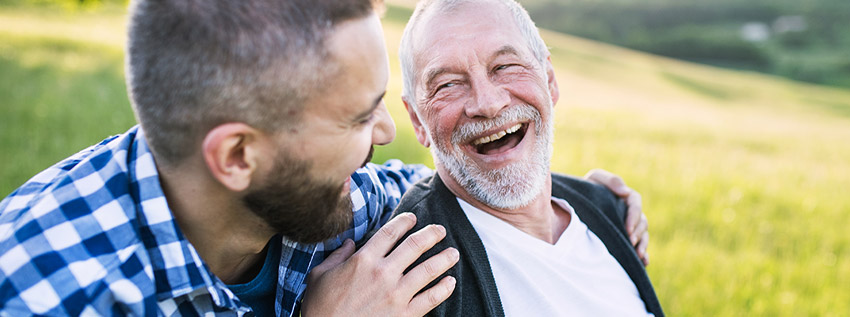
[93, 235]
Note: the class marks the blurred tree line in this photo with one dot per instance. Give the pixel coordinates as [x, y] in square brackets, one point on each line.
[803, 40]
[71, 5]
[807, 40]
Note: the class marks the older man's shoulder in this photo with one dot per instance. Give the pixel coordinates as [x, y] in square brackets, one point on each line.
[429, 200]
[572, 188]
[580, 185]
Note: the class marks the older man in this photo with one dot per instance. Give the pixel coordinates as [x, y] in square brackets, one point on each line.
[254, 116]
[480, 90]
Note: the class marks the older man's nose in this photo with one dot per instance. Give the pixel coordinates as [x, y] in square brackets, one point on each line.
[488, 100]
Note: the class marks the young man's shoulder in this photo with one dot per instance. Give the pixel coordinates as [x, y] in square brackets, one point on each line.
[67, 236]
[599, 195]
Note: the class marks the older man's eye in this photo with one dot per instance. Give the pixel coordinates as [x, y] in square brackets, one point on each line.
[446, 85]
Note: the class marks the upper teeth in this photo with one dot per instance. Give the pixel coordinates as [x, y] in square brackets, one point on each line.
[497, 135]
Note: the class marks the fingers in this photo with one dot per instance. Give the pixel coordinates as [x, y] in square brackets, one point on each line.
[427, 271]
[641, 245]
[639, 230]
[643, 252]
[415, 245]
[382, 242]
[634, 216]
[339, 255]
[608, 179]
[336, 258]
[429, 299]
[637, 225]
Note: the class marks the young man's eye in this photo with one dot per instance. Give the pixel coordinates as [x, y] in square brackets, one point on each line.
[367, 119]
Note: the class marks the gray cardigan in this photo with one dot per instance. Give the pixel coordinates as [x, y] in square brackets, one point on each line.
[476, 293]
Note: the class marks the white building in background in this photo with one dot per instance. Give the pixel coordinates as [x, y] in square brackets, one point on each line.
[789, 23]
[759, 31]
[755, 32]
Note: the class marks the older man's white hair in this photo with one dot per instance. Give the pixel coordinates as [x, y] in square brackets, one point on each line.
[408, 71]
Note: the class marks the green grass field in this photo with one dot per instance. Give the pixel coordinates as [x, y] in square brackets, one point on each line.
[745, 177]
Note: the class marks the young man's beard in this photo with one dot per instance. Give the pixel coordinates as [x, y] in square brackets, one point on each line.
[300, 208]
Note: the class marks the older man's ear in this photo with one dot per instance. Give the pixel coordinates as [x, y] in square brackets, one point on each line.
[553, 83]
[421, 132]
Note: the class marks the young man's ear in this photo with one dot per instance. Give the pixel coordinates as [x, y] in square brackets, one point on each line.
[421, 134]
[232, 152]
[553, 83]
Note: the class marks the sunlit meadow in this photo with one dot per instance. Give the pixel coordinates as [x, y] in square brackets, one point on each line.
[745, 177]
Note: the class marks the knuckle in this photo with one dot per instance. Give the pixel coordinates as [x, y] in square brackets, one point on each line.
[416, 242]
[395, 299]
[377, 276]
[616, 180]
[598, 175]
[636, 197]
[435, 296]
[430, 269]
[380, 273]
[388, 232]
[360, 261]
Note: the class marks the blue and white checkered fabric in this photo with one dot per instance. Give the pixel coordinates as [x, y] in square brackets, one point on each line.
[377, 192]
[93, 235]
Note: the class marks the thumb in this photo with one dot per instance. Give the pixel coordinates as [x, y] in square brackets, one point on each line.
[335, 258]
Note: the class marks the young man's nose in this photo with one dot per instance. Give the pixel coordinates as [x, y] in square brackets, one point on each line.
[384, 130]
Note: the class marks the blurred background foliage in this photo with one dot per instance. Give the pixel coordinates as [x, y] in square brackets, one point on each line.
[744, 175]
[802, 40]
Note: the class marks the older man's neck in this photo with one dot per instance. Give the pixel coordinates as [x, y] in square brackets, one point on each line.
[542, 219]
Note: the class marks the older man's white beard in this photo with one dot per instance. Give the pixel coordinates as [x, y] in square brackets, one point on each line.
[513, 186]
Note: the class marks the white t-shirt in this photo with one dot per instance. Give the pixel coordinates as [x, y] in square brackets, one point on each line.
[576, 276]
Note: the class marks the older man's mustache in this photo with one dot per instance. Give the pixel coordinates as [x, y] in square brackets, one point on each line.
[515, 114]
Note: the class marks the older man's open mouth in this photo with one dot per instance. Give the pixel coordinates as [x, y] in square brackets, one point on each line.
[500, 141]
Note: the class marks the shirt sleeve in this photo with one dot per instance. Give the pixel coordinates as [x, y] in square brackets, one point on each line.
[394, 178]
[375, 192]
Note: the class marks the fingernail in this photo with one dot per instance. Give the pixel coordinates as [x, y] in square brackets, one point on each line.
[451, 280]
[454, 254]
[441, 229]
[633, 239]
[408, 215]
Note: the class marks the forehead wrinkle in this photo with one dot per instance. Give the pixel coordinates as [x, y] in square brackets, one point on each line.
[506, 49]
[432, 74]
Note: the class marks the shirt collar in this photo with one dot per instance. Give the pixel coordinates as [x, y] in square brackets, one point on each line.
[177, 267]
